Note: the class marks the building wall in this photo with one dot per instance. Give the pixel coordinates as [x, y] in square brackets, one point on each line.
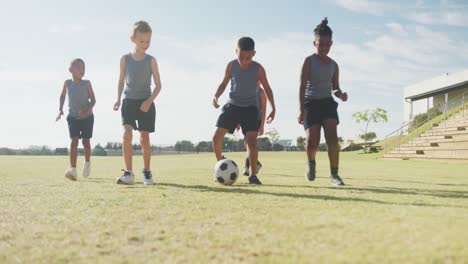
[455, 98]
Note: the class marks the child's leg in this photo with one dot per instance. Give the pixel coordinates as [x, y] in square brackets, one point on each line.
[313, 141]
[146, 149]
[218, 138]
[127, 147]
[87, 148]
[252, 150]
[73, 151]
[247, 160]
[329, 127]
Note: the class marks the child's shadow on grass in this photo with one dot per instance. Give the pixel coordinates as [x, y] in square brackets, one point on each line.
[203, 188]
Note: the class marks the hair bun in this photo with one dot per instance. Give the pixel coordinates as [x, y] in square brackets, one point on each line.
[324, 21]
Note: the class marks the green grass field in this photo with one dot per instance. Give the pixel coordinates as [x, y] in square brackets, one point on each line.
[389, 212]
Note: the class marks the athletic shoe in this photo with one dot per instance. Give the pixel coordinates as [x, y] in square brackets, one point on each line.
[254, 180]
[310, 172]
[246, 171]
[71, 174]
[148, 177]
[127, 178]
[86, 169]
[336, 180]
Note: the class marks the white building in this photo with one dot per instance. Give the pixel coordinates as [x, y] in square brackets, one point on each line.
[444, 92]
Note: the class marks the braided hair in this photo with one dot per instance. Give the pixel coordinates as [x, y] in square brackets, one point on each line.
[323, 29]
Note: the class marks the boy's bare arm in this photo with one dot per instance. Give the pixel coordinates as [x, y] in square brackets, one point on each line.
[304, 79]
[63, 95]
[222, 86]
[92, 101]
[269, 93]
[156, 79]
[120, 84]
[145, 106]
[336, 85]
[263, 117]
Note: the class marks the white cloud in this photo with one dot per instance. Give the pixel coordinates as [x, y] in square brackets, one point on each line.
[373, 73]
[364, 6]
[451, 18]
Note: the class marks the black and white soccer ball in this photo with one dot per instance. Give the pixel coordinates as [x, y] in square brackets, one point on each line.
[226, 172]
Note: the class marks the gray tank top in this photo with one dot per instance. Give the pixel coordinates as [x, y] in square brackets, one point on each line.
[320, 82]
[259, 102]
[78, 98]
[244, 85]
[137, 78]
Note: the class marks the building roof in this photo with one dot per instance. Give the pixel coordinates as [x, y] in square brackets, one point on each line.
[436, 85]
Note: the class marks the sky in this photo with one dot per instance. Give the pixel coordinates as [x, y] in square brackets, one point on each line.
[380, 47]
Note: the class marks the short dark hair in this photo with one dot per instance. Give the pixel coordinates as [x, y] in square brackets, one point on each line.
[246, 44]
[323, 29]
[142, 27]
[77, 60]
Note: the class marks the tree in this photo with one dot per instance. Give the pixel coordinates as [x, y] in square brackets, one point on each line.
[300, 143]
[370, 116]
[369, 136]
[204, 146]
[277, 147]
[264, 144]
[184, 145]
[98, 150]
[109, 145]
[420, 119]
[274, 135]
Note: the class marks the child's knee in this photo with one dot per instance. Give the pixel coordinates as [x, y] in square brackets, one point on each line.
[127, 135]
[218, 136]
[311, 144]
[74, 142]
[86, 142]
[331, 140]
[144, 140]
[252, 141]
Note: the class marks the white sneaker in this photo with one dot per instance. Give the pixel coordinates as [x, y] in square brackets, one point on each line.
[86, 169]
[127, 178]
[71, 174]
[148, 177]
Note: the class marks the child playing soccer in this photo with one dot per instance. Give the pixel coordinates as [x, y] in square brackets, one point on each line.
[80, 117]
[138, 110]
[241, 109]
[261, 107]
[319, 77]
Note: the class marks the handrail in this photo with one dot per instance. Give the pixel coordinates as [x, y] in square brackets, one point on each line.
[407, 132]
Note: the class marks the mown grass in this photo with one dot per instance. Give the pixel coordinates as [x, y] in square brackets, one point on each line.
[389, 212]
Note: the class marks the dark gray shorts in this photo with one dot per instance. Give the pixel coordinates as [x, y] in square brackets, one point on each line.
[80, 128]
[317, 110]
[133, 116]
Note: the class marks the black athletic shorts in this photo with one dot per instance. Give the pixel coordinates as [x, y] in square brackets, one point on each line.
[259, 123]
[317, 110]
[80, 128]
[133, 116]
[233, 115]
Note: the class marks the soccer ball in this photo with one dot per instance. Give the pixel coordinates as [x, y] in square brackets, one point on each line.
[226, 172]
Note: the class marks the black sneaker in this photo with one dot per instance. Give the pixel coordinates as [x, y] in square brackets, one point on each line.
[148, 177]
[336, 180]
[254, 180]
[310, 172]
